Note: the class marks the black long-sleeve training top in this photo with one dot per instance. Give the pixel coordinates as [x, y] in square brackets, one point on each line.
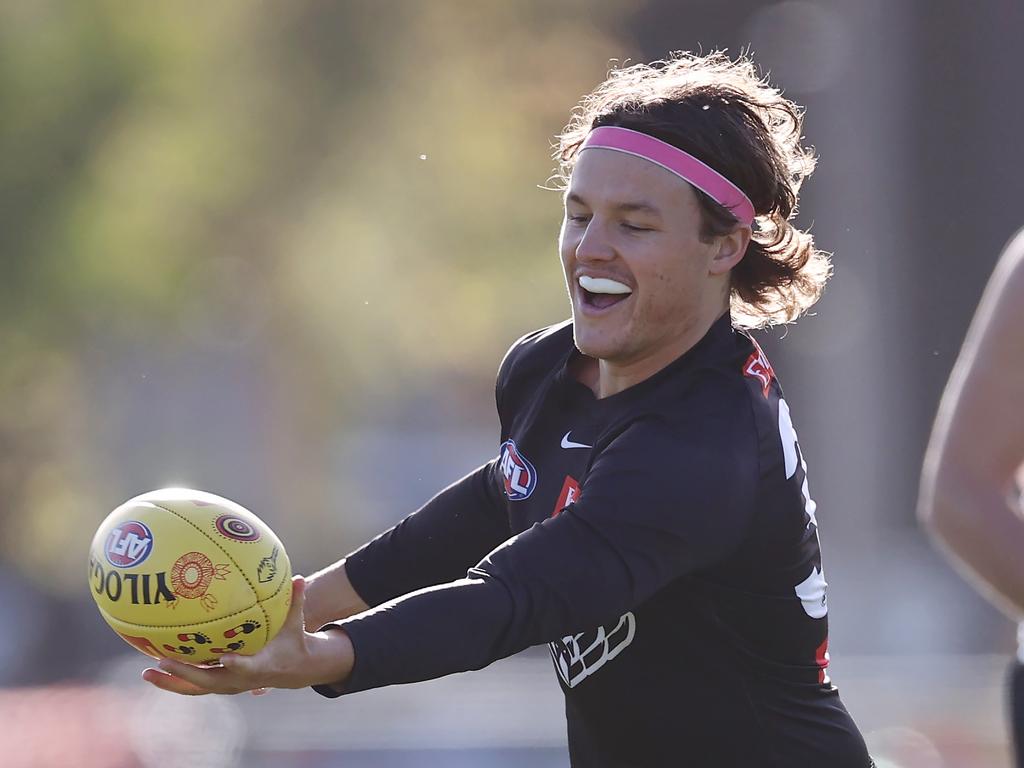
[662, 541]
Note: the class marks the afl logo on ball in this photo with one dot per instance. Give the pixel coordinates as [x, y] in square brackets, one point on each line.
[520, 476]
[128, 544]
[236, 528]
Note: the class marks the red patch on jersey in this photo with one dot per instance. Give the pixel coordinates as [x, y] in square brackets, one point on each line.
[821, 659]
[570, 493]
[758, 367]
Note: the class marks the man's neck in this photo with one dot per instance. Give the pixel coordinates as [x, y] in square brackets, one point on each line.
[609, 377]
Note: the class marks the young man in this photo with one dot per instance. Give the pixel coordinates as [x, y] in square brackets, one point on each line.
[970, 487]
[648, 515]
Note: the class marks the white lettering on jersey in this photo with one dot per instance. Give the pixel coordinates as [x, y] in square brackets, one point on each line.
[514, 474]
[788, 435]
[514, 480]
[809, 505]
[793, 456]
[813, 594]
[577, 657]
[812, 591]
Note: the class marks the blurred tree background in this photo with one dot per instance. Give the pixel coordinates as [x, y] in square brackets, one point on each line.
[233, 232]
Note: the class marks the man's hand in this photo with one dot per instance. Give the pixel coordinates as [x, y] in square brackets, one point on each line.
[293, 659]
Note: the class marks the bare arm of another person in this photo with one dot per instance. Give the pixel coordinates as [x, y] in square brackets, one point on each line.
[969, 499]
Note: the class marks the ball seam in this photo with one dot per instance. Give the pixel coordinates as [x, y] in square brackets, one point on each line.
[217, 544]
[186, 625]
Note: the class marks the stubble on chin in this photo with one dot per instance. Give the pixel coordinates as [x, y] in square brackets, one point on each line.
[601, 346]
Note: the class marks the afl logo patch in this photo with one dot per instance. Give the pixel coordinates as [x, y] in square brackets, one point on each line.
[236, 528]
[128, 544]
[519, 474]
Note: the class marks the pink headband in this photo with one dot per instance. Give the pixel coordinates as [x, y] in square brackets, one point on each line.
[684, 165]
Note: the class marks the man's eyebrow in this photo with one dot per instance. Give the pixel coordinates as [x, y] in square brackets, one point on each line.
[630, 206]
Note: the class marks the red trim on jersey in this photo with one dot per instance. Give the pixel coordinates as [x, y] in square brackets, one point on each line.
[758, 367]
[821, 659]
[570, 493]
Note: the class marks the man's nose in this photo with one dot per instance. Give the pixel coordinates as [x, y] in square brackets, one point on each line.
[595, 244]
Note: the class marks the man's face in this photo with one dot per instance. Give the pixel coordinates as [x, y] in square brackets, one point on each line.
[636, 269]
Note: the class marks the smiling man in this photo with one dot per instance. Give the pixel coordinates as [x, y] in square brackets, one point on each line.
[648, 515]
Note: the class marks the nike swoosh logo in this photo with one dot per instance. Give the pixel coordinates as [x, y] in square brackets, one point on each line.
[567, 443]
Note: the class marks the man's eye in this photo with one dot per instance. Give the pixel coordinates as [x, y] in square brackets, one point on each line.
[577, 218]
[634, 228]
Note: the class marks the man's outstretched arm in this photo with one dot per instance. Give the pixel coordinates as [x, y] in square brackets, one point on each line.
[642, 521]
[434, 545]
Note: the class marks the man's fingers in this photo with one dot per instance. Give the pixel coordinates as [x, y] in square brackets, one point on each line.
[168, 682]
[237, 673]
[212, 680]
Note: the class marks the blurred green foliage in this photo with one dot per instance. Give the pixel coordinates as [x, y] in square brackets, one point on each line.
[349, 191]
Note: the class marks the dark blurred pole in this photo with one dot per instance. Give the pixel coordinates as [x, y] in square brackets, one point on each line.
[969, 157]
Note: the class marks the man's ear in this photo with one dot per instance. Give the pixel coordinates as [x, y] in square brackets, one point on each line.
[731, 248]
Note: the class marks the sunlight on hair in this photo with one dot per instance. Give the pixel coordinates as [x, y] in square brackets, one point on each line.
[701, 104]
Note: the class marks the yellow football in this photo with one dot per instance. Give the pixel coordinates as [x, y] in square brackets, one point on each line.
[189, 575]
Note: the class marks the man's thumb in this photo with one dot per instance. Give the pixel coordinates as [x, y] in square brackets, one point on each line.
[294, 617]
